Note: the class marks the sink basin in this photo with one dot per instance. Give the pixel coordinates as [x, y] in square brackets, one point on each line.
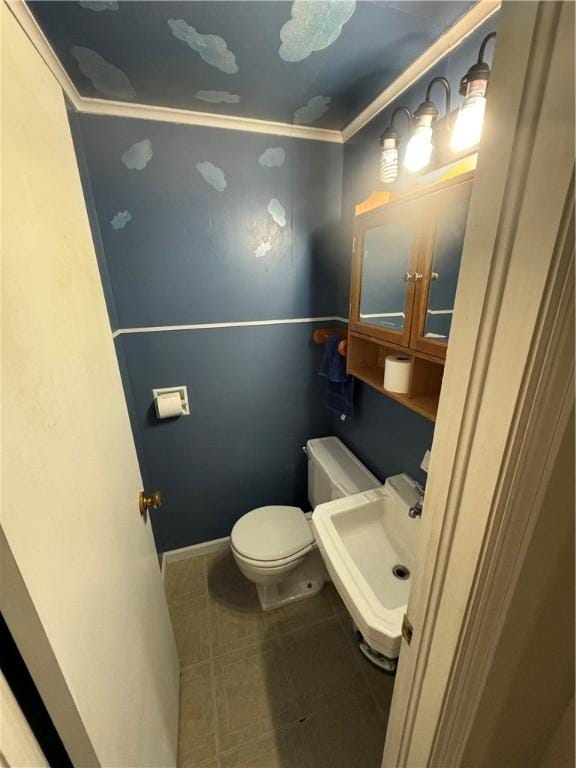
[363, 539]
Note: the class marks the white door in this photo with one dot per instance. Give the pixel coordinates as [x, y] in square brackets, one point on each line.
[90, 616]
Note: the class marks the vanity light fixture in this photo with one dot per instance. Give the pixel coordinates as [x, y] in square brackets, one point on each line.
[389, 144]
[419, 149]
[468, 126]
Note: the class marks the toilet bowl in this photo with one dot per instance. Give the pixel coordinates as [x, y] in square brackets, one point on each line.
[274, 546]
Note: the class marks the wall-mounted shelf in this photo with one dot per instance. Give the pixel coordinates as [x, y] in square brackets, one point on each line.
[366, 356]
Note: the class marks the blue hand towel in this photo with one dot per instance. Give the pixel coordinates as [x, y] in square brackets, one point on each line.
[340, 386]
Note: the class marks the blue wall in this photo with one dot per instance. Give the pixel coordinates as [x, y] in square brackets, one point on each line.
[387, 436]
[187, 255]
[189, 252]
[255, 400]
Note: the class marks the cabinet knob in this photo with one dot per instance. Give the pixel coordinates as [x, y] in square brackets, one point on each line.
[412, 277]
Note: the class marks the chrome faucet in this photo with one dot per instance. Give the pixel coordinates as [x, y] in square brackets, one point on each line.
[416, 509]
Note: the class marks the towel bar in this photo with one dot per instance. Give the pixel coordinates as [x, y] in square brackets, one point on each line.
[320, 334]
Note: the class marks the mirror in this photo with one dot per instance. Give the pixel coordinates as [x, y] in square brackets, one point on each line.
[386, 258]
[450, 231]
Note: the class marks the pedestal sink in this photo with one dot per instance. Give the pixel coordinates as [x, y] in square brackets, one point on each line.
[368, 542]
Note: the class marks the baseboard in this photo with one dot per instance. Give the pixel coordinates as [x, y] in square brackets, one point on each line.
[194, 550]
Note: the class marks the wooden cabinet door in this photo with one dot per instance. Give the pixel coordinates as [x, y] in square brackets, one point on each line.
[386, 253]
[439, 265]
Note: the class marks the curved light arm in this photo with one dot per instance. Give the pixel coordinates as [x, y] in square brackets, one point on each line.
[390, 129]
[483, 45]
[446, 86]
[404, 111]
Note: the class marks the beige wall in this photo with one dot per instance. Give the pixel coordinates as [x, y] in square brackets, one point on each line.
[524, 717]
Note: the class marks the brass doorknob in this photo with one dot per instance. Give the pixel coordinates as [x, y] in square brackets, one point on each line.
[147, 500]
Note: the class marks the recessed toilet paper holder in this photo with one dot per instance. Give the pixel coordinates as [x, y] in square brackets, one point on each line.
[182, 391]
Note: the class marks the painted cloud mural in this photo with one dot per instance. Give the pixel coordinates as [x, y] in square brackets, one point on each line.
[272, 157]
[99, 5]
[313, 110]
[211, 48]
[313, 27]
[263, 249]
[276, 210]
[217, 97]
[105, 77]
[213, 175]
[121, 219]
[138, 155]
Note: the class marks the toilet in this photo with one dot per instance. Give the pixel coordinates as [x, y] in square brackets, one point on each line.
[274, 546]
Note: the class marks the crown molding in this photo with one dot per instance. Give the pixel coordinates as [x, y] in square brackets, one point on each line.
[206, 119]
[32, 30]
[91, 106]
[451, 39]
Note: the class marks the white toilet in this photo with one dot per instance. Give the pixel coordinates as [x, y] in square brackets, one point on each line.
[274, 546]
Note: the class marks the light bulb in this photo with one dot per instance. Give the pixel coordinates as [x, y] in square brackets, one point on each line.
[419, 149]
[389, 161]
[468, 126]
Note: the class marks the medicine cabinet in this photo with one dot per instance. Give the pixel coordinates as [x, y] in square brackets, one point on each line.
[404, 274]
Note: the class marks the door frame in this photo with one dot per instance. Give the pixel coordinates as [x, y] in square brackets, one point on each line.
[508, 389]
[34, 646]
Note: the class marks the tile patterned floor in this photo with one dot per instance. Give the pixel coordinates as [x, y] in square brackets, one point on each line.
[283, 689]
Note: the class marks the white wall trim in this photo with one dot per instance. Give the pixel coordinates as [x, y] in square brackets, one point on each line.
[194, 550]
[446, 43]
[242, 324]
[451, 39]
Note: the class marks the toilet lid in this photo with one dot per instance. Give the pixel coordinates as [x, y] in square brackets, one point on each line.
[271, 533]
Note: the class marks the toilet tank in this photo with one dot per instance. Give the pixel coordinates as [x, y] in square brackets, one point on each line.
[334, 471]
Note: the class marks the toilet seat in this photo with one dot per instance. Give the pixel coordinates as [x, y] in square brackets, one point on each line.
[271, 566]
[272, 536]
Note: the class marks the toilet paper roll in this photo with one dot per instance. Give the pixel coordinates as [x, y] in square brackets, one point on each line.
[168, 405]
[397, 370]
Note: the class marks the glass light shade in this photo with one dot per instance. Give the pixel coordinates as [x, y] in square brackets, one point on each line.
[389, 161]
[468, 126]
[419, 149]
